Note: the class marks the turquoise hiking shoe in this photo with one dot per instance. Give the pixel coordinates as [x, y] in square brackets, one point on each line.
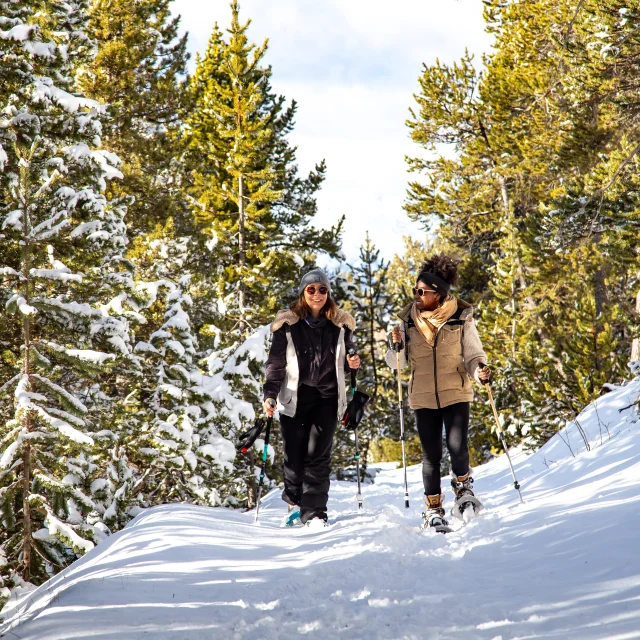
[293, 517]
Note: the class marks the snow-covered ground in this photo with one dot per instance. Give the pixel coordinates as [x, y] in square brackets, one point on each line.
[563, 565]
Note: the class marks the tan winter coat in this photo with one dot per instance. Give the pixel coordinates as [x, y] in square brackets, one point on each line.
[440, 375]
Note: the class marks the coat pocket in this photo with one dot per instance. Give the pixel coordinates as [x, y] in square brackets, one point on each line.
[463, 375]
[451, 335]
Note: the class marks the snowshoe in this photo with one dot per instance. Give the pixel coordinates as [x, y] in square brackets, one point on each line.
[316, 524]
[467, 506]
[293, 517]
[434, 515]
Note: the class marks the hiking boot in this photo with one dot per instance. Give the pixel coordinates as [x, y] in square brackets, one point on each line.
[434, 514]
[462, 485]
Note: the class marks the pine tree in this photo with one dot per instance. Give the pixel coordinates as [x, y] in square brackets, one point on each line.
[61, 263]
[185, 444]
[371, 305]
[138, 72]
[252, 209]
[236, 375]
[534, 133]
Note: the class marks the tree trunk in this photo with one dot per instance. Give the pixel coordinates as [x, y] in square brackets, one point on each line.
[242, 257]
[372, 331]
[515, 267]
[26, 418]
[600, 298]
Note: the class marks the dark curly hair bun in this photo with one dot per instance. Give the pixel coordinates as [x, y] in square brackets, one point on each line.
[444, 266]
[441, 272]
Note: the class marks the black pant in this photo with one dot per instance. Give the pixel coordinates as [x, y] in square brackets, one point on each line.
[456, 423]
[308, 438]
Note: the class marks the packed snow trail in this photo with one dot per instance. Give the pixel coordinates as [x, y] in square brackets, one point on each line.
[563, 565]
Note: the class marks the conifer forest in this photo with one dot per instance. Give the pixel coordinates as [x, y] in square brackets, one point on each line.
[153, 220]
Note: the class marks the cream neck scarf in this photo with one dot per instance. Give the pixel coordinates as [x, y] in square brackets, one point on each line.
[429, 322]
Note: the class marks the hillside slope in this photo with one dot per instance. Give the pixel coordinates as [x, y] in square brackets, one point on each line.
[563, 565]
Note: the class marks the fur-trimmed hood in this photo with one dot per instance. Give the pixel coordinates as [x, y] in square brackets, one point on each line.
[286, 316]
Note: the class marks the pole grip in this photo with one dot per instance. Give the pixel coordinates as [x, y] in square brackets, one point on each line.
[482, 365]
[353, 352]
[399, 377]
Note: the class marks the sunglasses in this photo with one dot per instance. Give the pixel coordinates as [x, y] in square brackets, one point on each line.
[422, 292]
[311, 290]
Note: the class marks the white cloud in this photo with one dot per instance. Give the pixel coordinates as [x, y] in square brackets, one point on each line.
[352, 66]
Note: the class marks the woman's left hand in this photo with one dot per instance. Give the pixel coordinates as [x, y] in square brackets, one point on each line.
[354, 361]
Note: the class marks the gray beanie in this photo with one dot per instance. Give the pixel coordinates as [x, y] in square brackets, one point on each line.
[316, 275]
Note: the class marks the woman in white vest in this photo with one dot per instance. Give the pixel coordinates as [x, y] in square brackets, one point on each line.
[306, 370]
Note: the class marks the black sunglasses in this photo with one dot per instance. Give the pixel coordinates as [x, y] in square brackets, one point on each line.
[421, 292]
[311, 290]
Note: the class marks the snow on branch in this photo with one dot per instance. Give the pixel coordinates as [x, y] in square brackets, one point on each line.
[13, 219]
[45, 90]
[82, 153]
[19, 33]
[56, 275]
[219, 451]
[72, 308]
[18, 303]
[65, 428]
[85, 355]
[9, 454]
[8, 271]
[59, 529]
[64, 396]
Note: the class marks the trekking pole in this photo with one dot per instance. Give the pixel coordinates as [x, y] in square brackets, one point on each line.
[356, 455]
[351, 419]
[398, 347]
[264, 464]
[516, 484]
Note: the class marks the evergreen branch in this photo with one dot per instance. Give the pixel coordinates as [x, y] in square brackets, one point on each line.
[572, 22]
[601, 191]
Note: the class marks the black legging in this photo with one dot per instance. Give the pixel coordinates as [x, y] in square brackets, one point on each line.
[456, 423]
[308, 438]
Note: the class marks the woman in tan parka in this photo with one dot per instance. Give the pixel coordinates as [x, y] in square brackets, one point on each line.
[440, 341]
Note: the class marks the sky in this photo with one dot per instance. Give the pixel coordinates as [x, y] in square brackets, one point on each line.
[352, 66]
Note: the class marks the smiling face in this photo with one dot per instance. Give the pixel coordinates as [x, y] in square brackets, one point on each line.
[315, 300]
[429, 301]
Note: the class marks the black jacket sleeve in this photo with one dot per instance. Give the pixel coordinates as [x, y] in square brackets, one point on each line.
[276, 364]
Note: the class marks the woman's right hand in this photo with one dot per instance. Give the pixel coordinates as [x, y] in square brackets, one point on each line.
[396, 335]
[270, 407]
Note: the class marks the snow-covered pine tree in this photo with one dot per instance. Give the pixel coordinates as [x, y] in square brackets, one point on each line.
[168, 420]
[60, 262]
[236, 375]
[186, 452]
